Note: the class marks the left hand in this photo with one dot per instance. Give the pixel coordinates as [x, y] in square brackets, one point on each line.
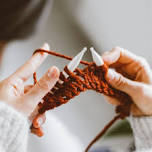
[25, 98]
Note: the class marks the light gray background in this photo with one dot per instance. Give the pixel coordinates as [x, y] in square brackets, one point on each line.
[71, 26]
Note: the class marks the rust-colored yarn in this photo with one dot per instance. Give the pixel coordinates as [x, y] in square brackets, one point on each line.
[92, 77]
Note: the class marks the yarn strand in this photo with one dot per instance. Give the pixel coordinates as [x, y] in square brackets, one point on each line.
[92, 77]
[103, 131]
[59, 55]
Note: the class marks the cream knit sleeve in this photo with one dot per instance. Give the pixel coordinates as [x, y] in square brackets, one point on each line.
[13, 130]
[142, 130]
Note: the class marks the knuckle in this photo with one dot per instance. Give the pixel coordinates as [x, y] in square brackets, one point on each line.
[119, 81]
[121, 51]
[142, 90]
[32, 64]
[117, 48]
[52, 74]
[43, 84]
[142, 62]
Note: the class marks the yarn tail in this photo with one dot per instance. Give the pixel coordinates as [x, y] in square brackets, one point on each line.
[102, 132]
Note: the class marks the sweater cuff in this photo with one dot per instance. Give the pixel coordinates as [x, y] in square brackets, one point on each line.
[142, 129]
[13, 129]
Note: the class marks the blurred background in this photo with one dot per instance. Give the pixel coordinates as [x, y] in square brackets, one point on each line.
[70, 25]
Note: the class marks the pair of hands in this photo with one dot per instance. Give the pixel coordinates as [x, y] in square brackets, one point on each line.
[24, 98]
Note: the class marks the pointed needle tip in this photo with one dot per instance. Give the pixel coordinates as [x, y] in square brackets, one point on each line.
[96, 57]
[84, 49]
[92, 49]
[76, 60]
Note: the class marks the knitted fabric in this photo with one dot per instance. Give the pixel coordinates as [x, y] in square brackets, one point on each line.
[92, 77]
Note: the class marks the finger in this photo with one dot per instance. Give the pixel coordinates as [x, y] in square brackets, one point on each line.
[135, 111]
[42, 87]
[112, 101]
[34, 112]
[134, 66]
[27, 88]
[25, 71]
[119, 56]
[39, 120]
[119, 82]
[37, 131]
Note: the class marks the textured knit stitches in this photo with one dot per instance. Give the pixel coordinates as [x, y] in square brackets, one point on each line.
[13, 130]
[142, 129]
[92, 77]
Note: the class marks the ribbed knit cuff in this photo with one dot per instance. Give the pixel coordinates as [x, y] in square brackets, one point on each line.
[142, 129]
[13, 130]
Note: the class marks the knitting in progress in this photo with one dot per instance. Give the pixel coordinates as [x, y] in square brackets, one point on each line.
[92, 77]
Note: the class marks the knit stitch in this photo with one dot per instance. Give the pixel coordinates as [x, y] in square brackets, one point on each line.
[13, 130]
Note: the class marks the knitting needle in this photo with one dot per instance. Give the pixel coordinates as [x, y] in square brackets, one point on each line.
[96, 57]
[71, 66]
[76, 60]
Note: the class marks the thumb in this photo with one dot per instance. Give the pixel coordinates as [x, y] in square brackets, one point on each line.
[121, 83]
[42, 87]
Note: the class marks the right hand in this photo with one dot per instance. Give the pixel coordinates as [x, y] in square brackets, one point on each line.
[132, 75]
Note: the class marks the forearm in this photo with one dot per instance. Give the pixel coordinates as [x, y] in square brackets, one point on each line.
[13, 130]
[142, 130]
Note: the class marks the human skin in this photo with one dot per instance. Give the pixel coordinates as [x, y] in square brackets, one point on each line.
[25, 98]
[131, 74]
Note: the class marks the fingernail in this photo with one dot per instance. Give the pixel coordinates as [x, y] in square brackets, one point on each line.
[110, 75]
[40, 121]
[106, 55]
[46, 46]
[53, 72]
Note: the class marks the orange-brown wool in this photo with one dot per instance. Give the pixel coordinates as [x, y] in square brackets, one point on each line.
[92, 77]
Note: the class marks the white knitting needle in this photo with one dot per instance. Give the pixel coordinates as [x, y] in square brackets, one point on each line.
[71, 66]
[96, 57]
[76, 60]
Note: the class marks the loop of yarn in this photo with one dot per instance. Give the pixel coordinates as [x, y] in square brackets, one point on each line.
[92, 77]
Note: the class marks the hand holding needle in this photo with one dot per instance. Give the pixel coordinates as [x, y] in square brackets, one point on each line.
[96, 57]
[73, 64]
